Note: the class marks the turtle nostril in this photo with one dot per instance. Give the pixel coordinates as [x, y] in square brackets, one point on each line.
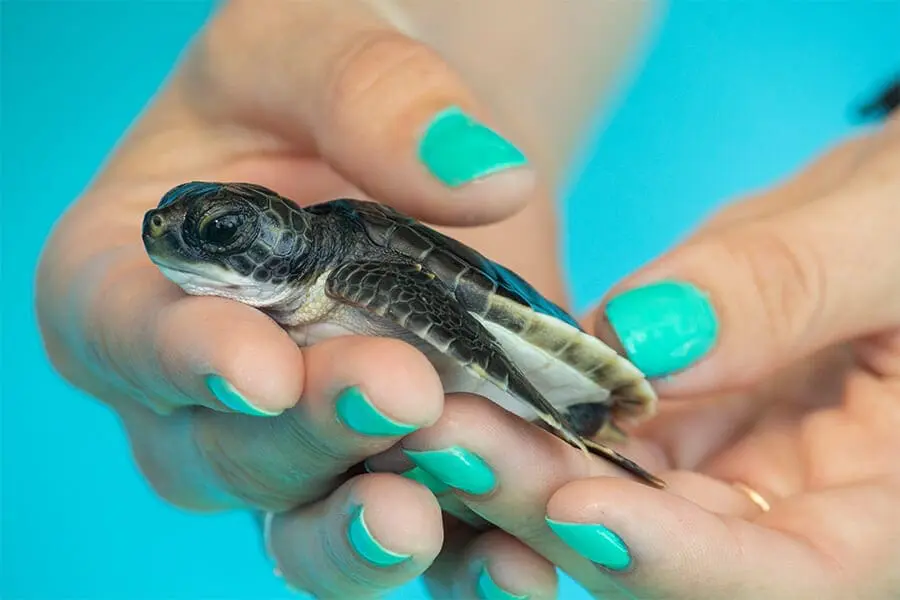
[155, 225]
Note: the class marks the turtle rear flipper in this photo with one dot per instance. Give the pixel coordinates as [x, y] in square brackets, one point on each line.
[624, 462]
[413, 298]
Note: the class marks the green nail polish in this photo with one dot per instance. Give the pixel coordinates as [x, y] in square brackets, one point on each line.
[665, 327]
[457, 149]
[356, 412]
[419, 476]
[594, 542]
[432, 483]
[457, 467]
[368, 547]
[233, 399]
[487, 588]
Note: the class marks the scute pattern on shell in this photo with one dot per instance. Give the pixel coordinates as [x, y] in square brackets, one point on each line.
[468, 270]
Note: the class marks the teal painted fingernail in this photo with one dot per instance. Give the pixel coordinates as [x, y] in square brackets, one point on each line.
[233, 399]
[432, 483]
[458, 149]
[664, 327]
[594, 542]
[367, 546]
[419, 476]
[487, 588]
[356, 412]
[457, 467]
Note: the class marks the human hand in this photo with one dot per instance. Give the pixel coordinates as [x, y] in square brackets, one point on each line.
[222, 409]
[782, 375]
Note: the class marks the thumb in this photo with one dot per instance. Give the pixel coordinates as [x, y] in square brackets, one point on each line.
[638, 542]
[733, 305]
[383, 110]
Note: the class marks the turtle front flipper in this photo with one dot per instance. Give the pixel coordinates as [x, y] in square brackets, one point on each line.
[413, 298]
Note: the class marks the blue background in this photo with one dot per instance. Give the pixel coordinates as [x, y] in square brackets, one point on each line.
[726, 97]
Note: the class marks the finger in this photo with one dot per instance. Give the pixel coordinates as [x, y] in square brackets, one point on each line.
[440, 578]
[497, 566]
[468, 450]
[385, 111]
[144, 337]
[394, 461]
[360, 396]
[727, 308]
[821, 177]
[649, 543]
[374, 533]
[503, 468]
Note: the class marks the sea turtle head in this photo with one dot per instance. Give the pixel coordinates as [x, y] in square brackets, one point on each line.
[235, 240]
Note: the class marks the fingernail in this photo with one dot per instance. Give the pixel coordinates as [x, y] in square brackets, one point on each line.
[233, 399]
[457, 467]
[432, 483]
[419, 476]
[356, 412]
[664, 327]
[458, 149]
[594, 542]
[367, 546]
[487, 588]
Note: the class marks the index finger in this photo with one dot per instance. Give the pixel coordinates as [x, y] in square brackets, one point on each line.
[383, 110]
[169, 350]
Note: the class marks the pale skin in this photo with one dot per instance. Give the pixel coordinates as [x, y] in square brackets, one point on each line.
[344, 121]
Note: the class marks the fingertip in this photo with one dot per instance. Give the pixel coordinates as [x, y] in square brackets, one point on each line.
[474, 175]
[650, 541]
[391, 378]
[586, 500]
[229, 356]
[586, 515]
[664, 327]
[400, 124]
[374, 533]
[234, 399]
[483, 201]
[500, 567]
[630, 529]
[401, 515]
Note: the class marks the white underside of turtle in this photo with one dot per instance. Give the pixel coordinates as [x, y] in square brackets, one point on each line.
[319, 318]
[560, 383]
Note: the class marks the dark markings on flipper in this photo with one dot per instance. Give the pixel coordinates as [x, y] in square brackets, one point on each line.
[594, 420]
[624, 463]
[408, 295]
[626, 400]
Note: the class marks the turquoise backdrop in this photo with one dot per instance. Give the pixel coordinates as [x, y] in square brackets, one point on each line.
[729, 96]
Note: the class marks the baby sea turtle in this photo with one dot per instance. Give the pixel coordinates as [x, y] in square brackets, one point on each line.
[351, 267]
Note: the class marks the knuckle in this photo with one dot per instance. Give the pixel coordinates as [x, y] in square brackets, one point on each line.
[370, 70]
[262, 461]
[786, 277]
[112, 333]
[239, 476]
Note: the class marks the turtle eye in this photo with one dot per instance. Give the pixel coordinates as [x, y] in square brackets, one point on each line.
[220, 231]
